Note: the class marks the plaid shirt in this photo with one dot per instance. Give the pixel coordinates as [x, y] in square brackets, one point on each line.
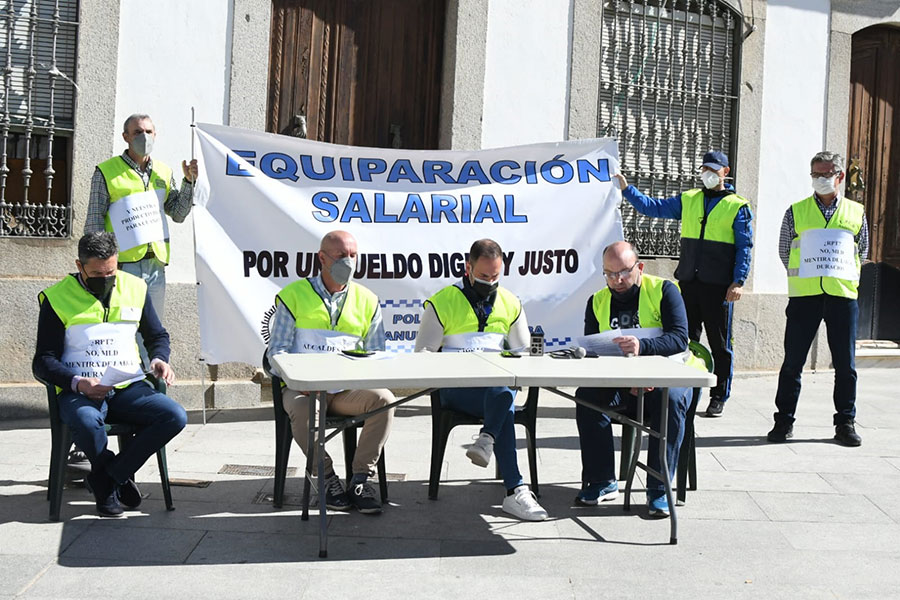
[788, 233]
[177, 205]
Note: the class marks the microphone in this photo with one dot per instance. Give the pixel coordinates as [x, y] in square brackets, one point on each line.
[573, 352]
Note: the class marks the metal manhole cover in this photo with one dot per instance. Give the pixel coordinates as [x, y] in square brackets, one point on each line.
[253, 470]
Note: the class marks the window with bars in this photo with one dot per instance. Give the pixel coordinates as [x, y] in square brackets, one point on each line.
[37, 106]
[668, 93]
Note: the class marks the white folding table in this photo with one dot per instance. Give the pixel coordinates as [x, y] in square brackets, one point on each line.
[614, 372]
[317, 373]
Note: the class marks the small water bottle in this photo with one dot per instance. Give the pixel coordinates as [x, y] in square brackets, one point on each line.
[537, 341]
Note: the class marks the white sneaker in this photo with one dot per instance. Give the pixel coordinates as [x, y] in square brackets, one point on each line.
[523, 505]
[481, 450]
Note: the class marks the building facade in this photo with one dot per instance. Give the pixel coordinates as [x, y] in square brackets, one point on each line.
[770, 82]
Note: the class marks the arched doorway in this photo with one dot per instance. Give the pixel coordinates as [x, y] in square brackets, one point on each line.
[873, 150]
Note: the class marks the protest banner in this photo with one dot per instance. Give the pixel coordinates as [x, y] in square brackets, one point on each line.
[264, 201]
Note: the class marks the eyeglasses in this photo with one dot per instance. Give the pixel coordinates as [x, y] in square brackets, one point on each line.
[815, 175]
[619, 274]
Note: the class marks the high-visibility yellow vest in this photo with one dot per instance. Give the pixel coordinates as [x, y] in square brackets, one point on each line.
[649, 303]
[98, 336]
[807, 215]
[123, 181]
[460, 322]
[707, 241]
[312, 321]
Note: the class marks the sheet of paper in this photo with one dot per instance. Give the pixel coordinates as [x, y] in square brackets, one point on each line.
[828, 253]
[114, 376]
[602, 343]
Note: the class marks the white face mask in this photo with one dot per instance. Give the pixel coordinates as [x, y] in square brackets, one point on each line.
[710, 179]
[824, 186]
[142, 144]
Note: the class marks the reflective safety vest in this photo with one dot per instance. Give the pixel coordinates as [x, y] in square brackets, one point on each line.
[98, 337]
[707, 241]
[461, 330]
[807, 215]
[313, 332]
[123, 181]
[649, 303]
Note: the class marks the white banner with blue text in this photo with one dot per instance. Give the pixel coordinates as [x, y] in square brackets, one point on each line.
[264, 201]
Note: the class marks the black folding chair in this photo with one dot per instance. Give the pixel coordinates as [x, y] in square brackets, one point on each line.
[443, 420]
[61, 443]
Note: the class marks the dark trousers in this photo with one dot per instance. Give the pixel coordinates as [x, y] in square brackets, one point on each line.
[159, 417]
[803, 317]
[706, 308]
[598, 461]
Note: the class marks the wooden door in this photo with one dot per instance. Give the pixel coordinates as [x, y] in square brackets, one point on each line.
[874, 137]
[357, 72]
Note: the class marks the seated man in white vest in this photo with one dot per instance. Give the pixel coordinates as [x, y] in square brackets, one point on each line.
[631, 299]
[477, 315]
[330, 313]
[88, 324]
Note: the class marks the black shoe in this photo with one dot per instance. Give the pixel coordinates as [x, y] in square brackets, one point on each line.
[781, 433]
[335, 496]
[846, 435]
[362, 496]
[104, 489]
[129, 494]
[715, 408]
[77, 464]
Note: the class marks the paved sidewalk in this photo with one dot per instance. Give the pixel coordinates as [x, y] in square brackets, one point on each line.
[807, 519]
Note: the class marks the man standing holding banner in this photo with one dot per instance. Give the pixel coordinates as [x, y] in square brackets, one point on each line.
[131, 194]
[823, 241]
[477, 315]
[714, 262]
[330, 313]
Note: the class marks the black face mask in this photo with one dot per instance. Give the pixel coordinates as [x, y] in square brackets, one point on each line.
[483, 288]
[626, 296]
[100, 287]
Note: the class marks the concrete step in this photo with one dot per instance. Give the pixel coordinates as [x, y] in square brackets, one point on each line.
[877, 353]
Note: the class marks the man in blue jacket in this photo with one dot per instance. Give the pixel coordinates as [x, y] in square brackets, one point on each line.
[716, 240]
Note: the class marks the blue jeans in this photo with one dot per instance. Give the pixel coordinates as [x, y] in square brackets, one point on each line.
[596, 438]
[496, 406]
[153, 273]
[158, 417]
[804, 314]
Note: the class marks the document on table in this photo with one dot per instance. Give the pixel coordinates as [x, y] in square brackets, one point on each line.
[602, 343]
[114, 376]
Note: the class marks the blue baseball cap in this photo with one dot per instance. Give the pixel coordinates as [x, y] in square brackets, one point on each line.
[715, 160]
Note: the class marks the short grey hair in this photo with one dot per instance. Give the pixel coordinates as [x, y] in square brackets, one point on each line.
[826, 156]
[98, 244]
[135, 117]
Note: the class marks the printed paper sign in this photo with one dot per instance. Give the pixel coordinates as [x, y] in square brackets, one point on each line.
[828, 253]
[90, 349]
[264, 201]
[138, 219]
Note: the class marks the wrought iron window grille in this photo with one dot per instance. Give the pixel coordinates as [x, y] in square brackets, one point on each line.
[38, 41]
[668, 92]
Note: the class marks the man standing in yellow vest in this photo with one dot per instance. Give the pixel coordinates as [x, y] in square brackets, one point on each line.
[477, 315]
[631, 299]
[824, 240]
[131, 194]
[87, 324]
[330, 313]
[714, 262]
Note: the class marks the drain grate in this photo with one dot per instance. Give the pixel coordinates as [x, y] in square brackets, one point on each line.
[253, 470]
